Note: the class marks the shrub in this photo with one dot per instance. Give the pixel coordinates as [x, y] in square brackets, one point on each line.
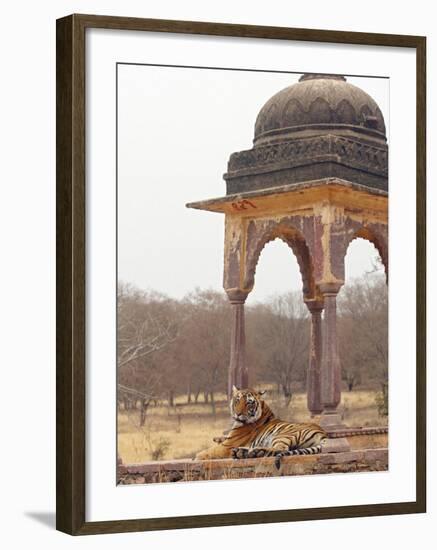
[381, 400]
[160, 448]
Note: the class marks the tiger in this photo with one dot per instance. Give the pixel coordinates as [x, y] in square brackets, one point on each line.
[256, 432]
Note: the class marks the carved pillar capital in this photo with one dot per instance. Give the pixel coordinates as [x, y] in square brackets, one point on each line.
[314, 305]
[237, 295]
[330, 288]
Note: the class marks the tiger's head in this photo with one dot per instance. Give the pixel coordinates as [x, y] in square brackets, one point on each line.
[246, 405]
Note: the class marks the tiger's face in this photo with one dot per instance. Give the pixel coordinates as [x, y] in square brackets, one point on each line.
[246, 405]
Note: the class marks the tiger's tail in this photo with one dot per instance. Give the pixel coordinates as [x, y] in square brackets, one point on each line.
[316, 449]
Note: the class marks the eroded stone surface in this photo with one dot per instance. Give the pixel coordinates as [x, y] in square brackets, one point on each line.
[182, 470]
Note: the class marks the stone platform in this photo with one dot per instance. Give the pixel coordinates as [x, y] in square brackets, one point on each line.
[360, 460]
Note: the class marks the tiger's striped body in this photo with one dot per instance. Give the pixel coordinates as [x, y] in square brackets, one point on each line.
[256, 432]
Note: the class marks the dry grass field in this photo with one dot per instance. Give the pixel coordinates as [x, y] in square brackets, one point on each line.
[183, 430]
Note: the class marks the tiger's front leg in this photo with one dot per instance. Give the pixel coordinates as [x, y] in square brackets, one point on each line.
[217, 451]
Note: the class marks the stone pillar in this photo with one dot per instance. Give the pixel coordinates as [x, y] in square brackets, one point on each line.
[314, 397]
[238, 374]
[330, 364]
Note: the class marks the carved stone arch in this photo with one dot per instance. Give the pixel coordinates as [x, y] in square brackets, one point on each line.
[378, 237]
[266, 117]
[321, 111]
[345, 112]
[303, 257]
[294, 239]
[293, 113]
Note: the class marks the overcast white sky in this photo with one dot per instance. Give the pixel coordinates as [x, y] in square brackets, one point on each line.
[176, 130]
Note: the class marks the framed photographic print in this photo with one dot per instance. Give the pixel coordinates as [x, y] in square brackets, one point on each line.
[230, 202]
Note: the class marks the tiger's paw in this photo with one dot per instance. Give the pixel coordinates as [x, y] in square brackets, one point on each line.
[202, 455]
[248, 452]
[240, 452]
[258, 452]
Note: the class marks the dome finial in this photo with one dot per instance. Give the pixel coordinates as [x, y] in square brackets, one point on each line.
[314, 76]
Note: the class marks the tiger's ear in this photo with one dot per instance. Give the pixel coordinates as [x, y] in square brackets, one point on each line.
[234, 390]
[262, 392]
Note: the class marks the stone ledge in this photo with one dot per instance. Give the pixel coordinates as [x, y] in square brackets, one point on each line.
[337, 445]
[192, 470]
[324, 185]
[358, 431]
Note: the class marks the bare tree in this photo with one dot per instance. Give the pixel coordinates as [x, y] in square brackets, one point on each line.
[363, 331]
[168, 348]
[145, 327]
[280, 336]
[206, 334]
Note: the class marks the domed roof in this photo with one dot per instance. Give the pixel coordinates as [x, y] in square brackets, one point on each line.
[319, 129]
[317, 104]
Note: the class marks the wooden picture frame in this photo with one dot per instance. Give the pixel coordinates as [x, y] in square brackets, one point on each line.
[71, 254]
